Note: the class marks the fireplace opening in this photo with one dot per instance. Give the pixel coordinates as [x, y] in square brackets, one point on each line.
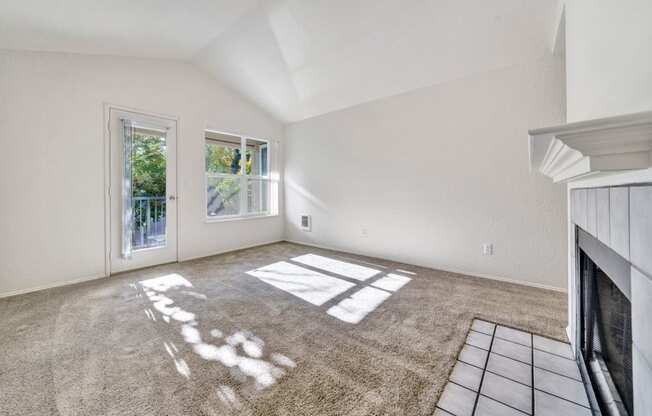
[606, 338]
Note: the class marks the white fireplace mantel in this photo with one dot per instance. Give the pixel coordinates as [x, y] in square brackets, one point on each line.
[579, 150]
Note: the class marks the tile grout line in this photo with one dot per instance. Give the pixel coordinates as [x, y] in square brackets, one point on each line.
[532, 346]
[514, 342]
[511, 358]
[503, 403]
[531, 364]
[529, 386]
[449, 381]
[562, 398]
[552, 353]
[509, 378]
[443, 410]
[532, 387]
[520, 329]
[532, 335]
[532, 367]
[558, 374]
[459, 385]
[484, 370]
[472, 365]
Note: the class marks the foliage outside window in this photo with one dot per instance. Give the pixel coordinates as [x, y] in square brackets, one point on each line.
[148, 177]
[237, 185]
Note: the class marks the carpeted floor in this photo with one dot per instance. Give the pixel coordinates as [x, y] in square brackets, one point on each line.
[205, 338]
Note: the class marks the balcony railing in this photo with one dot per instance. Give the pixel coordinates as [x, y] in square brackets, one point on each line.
[149, 222]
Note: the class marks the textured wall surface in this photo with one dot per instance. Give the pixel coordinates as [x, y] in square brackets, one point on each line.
[427, 177]
[608, 59]
[52, 159]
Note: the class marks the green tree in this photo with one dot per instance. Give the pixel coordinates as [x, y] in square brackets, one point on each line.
[223, 194]
[148, 165]
[148, 177]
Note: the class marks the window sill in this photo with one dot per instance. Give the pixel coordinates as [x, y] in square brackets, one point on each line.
[210, 220]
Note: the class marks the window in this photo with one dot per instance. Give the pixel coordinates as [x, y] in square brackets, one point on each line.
[237, 186]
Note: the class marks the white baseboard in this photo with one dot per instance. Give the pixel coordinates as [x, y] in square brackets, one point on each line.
[51, 285]
[446, 269]
[203, 256]
[101, 276]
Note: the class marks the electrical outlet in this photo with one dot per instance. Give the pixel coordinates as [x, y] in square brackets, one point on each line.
[488, 249]
[364, 232]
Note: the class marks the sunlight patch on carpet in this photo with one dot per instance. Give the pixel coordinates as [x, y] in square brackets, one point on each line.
[358, 305]
[391, 282]
[242, 350]
[343, 268]
[311, 286]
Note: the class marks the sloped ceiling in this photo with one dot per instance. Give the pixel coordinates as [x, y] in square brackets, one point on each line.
[298, 58]
[174, 29]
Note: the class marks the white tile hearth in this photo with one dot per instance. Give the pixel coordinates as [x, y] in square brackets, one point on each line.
[553, 347]
[467, 376]
[473, 355]
[483, 326]
[457, 400]
[549, 405]
[557, 364]
[514, 335]
[478, 339]
[513, 351]
[494, 376]
[511, 369]
[504, 390]
[561, 386]
[490, 407]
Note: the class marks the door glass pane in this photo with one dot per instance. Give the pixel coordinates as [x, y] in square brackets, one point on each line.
[223, 154]
[223, 195]
[148, 161]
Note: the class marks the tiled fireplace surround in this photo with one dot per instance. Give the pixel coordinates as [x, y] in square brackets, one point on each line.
[621, 219]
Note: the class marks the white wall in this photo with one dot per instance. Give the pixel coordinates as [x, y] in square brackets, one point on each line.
[51, 162]
[434, 173]
[609, 57]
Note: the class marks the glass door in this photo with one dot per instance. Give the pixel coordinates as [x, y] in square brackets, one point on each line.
[142, 190]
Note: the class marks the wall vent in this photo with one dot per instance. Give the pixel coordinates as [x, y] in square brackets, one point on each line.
[306, 222]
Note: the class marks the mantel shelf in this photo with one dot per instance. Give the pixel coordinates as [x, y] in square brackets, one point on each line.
[577, 150]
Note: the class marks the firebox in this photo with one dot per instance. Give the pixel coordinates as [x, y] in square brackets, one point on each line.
[604, 318]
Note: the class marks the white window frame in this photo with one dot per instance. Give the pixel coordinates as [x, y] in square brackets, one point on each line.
[243, 178]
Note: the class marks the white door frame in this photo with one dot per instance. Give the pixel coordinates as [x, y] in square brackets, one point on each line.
[107, 177]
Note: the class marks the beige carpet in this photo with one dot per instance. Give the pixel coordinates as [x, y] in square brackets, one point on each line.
[206, 338]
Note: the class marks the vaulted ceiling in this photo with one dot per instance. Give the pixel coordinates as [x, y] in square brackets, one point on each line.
[297, 58]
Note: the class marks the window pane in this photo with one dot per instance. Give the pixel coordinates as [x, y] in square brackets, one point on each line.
[223, 153]
[258, 196]
[257, 157]
[223, 196]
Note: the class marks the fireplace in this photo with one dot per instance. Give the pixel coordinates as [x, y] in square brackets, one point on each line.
[605, 325]
[607, 167]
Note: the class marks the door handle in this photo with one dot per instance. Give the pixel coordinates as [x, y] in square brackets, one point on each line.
[172, 198]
